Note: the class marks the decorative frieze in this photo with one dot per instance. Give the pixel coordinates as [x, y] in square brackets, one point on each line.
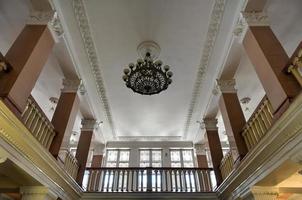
[263, 193]
[227, 86]
[88, 124]
[210, 124]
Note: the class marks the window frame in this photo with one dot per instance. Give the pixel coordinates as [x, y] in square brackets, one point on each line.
[150, 161]
[181, 161]
[118, 161]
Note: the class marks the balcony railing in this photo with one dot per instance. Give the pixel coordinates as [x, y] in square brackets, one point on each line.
[296, 66]
[37, 123]
[258, 124]
[149, 179]
[227, 164]
[69, 163]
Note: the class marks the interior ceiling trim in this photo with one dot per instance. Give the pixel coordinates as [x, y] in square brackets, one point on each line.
[215, 20]
[83, 24]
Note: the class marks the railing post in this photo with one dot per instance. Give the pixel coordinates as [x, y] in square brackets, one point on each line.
[149, 179]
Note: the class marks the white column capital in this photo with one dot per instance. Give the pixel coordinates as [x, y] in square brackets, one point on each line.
[88, 124]
[70, 86]
[99, 149]
[227, 86]
[200, 149]
[37, 193]
[210, 124]
[255, 18]
[49, 18]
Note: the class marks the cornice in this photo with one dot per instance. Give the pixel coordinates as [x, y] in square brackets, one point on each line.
[83, 25]
[212, 33]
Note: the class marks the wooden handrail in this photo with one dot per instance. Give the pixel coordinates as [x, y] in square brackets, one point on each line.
[133, 168]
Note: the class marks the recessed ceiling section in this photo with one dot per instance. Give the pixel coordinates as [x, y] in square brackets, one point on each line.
[180, 28]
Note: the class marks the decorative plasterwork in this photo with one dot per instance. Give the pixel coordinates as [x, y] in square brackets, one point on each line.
[49, 18]
[88, 124]
[83, 24]
[247, 19]
[213, 29]
[210, 124]
[227, 86]
[200, 149]
[70, 85]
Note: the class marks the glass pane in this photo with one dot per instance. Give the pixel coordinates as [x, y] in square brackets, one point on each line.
[175, 164]
[123, 164]
[124, 156]
[111, 164]
[156, 155]
[144, 155]
[175, 155]
[187, 155]
[112, 155]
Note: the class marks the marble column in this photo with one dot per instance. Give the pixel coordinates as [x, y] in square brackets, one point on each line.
[88, 126]
[26, 59]
[65, 115]
[232, 115]
[215, 147]
[269, 60]
[37, 193]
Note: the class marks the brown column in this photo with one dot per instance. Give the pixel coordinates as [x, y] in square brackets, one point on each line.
[269, 60]
[202, 161]
[94, 177]
[232, 115]
[97, 161]
[83, 147]
[215, 147]
[27, 56]
[65, 115]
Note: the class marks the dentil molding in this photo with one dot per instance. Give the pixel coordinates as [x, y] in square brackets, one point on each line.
[212, 33]
[83, 25]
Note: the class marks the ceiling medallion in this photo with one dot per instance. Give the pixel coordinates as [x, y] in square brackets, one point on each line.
[147, 77]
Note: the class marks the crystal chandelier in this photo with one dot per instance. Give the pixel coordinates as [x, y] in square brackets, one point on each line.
[147, 77]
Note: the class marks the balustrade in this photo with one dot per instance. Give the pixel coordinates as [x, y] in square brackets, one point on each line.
[227, 165]
[37, 123]
[258, 124]
[149, 179]
[296, 67]
[69, 163]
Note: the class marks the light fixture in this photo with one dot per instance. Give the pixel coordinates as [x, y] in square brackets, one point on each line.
[147, 77]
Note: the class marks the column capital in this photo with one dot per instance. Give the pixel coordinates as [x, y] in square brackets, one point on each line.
[49, 18]
[255, 18]
[227, 86]
[99, 149]
[88, 124]
[210, 124]
[200, 149]
[36, 193]
[70, 86]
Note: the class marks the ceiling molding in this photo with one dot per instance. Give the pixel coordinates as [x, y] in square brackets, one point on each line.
[212, 33]
[83, 25]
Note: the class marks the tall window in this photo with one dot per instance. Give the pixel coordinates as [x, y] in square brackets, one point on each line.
[117, 158]
[182, 158]
[150, 157]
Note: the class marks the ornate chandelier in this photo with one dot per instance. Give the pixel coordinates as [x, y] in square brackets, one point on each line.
[147, 76]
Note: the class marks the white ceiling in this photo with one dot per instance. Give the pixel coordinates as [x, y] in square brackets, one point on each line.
[180, 28]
